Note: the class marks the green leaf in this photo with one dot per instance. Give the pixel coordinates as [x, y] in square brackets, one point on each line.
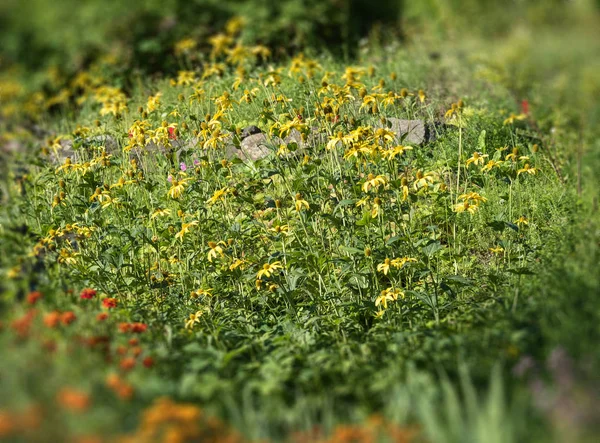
[432, 248]
[481, 141]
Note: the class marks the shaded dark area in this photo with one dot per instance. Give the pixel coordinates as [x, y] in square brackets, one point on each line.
[71, 34]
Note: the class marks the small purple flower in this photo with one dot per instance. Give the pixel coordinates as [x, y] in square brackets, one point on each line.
[196, 162]
[170, 178]
[183, 166]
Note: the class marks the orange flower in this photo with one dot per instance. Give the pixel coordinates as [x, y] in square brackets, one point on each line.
[127, 364]
[7, 424]
[98, 340]
[102, 316]
[67, 318]
[132, 327]
[73, 400]
[121, 350]
[120, 387]
[133, 342]
[21, 325]
[51, 319]
[136, 351]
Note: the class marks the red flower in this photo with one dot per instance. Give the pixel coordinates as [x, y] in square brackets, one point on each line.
[88, 293]
[525, 107]
[138, 327]
[33, 297]
[172, 134]
[148, 362]
[109, 303]
[67, 318]
[102, 316]
[133, 342]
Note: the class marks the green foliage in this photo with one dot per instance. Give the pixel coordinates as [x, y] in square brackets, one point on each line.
[328, 280]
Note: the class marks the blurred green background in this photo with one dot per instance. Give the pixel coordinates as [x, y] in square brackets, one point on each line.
[71, 33]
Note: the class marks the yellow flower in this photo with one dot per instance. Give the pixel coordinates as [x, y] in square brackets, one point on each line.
[201, 292]
[373, 182]
[422, 95]
[389, 294]
[185, 78]
[185, 227]
[185, 46]
[404, 185]
[261, 51]
[218, 195]
[452, 112]
[153, 102]
[13, 272]
[67, 257]
[497, 250]
[268, 269]
[391, 153]
[237, 263]
[197, 95]
[470, 202]
[369, 101]
[385, 266]
[334, 140]
[513, 117]
[363, 201]
[215, 249]
[279, 229]
[473, 196]
[66, 166]
[385, 135]
[465, 206]
[477, 159]
[423, 180]
[301, 203]
[160, 213]
[491, 164]
[522, 221]
[376, 209]
[527, 169]
[513, 155]
[194, 318]
[177, 187]
[401, 261]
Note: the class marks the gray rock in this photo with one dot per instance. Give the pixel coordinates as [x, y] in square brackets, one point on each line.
[408, 131]
[109, 143]
[255, 147]
[250, 130]
[67, 149]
